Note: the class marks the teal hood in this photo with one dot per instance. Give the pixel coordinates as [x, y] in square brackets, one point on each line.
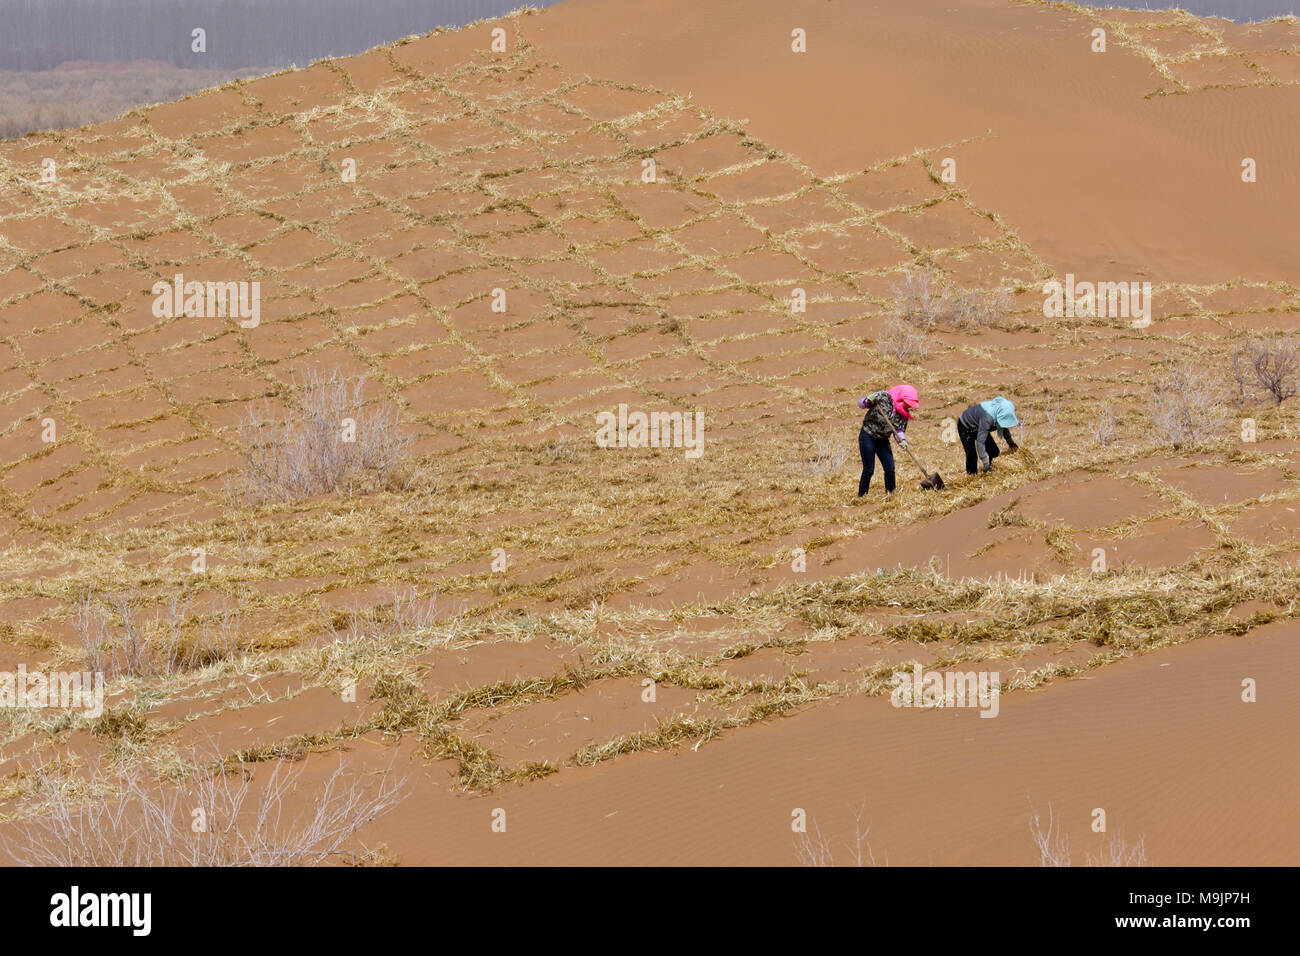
[1003, 412]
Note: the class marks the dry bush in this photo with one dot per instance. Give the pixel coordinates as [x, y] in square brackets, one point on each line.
[1242, 376]
[312, 456]
[120, 639]
[403, 613]
[902, 340]
[1187, 407]
[1116, 851]
[560, 449]
[828, 454]
[146, 825]
[925, 299]
[1052, 413]
[813, 849]
[1046, 413]
[921, 298]
[1271, 365]
[1103, 429]
[976, 308]
[1054, 846]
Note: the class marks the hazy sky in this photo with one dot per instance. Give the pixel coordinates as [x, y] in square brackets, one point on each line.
[1235, 9]
[42, 34]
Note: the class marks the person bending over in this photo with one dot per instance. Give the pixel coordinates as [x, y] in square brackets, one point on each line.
[975, 429]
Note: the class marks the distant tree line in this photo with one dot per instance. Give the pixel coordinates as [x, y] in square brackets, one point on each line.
[41, 34]
[1238, 10]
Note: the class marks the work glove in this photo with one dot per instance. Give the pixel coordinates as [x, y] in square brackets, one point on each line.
[863, 403]
[900, 437]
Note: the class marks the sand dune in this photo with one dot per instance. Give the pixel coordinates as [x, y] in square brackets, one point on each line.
[499, 271]
[1164, 744]
[1073, 149]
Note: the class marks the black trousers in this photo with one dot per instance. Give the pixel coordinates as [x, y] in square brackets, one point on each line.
[968, 437]
[871, 448]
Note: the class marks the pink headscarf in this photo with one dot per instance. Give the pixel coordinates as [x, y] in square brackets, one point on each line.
[905, 399]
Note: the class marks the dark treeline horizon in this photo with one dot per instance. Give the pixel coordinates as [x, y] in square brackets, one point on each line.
[41, 34]
[1242, 11]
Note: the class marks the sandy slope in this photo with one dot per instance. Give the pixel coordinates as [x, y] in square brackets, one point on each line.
[1061, 141]
[522, 172]
[1163, 744]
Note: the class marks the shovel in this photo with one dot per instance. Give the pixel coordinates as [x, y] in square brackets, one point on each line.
[932, 481]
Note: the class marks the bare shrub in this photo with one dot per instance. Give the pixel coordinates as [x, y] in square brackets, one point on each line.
[902, 340]
[1269, 364]
[560, 449]
[925, 299]
[1054, 846]
[1242, 376]
[977, 308]
[921, 298]
[1103, 429]
[1052, 413]
[813, 849]
[828, 455]
[120, 639]
[1116, 851]
[246, 821]
[404, 612]
[1187, 407]
[1040, 414]
[336, 444]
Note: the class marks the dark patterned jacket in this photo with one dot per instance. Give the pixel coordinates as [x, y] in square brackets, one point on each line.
[881, 420]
